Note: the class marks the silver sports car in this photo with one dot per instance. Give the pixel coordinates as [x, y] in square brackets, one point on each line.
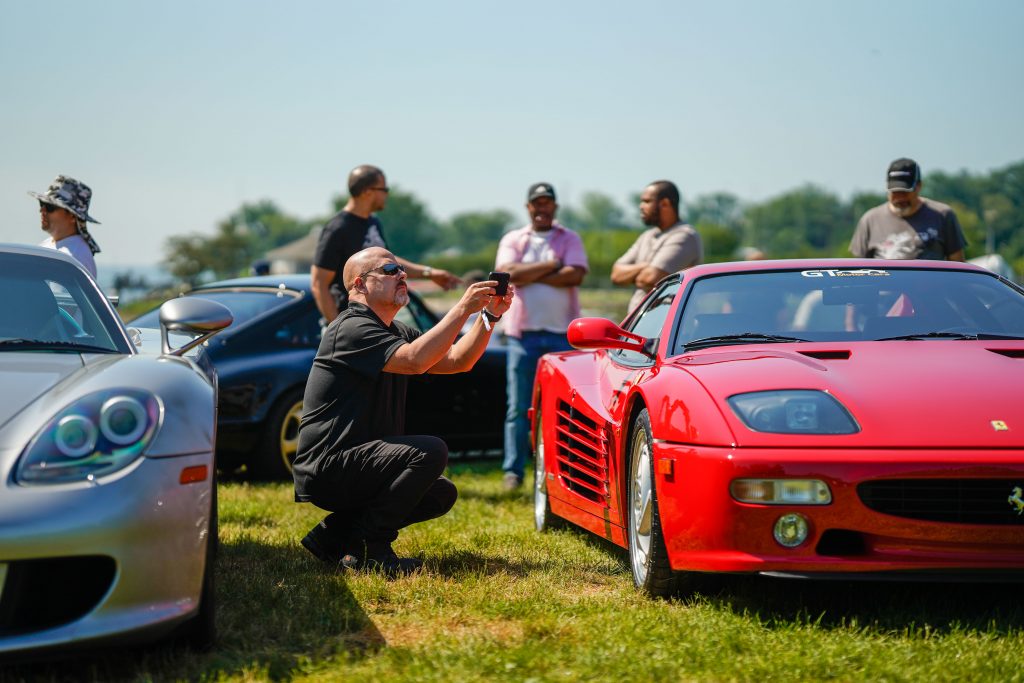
[108, 513]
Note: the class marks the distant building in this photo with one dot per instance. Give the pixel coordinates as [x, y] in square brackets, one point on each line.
[294, 257]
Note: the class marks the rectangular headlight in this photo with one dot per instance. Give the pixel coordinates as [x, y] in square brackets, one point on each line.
[793, 411]
[781, 491]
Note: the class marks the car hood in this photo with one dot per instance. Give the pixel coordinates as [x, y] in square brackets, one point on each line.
[27, 376]
[904, 394]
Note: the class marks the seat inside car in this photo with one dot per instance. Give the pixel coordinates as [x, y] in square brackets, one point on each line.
[30, 311]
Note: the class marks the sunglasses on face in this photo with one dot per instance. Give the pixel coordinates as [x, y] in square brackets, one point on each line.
[48, 208]
[389, 269]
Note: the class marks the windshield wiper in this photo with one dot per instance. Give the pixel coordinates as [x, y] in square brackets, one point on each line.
[950, 335]
[41, 345]
[930, 335]
[744, 338]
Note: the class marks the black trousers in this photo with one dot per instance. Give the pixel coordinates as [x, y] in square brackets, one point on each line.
[377, 488]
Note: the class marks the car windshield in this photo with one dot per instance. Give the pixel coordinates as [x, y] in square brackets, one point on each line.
[50, 305]
[244, 304]
[848, 305]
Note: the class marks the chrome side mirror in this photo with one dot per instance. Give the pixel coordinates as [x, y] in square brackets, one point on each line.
[191, 315]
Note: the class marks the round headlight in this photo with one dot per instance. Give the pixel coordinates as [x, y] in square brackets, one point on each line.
[122, 420]
[790, 530]
[75, 436]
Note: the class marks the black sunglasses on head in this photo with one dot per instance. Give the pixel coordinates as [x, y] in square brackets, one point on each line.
[389, 269]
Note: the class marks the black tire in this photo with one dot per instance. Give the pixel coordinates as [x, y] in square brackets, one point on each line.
[275, 452]
[543, 518]
[648, 559]
[200, 632]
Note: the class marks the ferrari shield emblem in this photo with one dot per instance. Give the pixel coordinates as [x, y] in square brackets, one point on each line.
[1016, 499]
[999, 426]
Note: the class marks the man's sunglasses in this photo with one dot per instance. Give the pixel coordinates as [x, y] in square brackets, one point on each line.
[389, 269]
[48, 208]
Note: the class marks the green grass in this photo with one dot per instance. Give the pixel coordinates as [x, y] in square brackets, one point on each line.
[500, 602]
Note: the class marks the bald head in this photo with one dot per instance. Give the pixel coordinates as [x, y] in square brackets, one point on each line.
[362, 261]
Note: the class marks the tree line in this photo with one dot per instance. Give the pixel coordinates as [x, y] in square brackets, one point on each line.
[808, 221]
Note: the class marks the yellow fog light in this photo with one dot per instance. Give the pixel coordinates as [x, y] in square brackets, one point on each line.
[790, 530]
[781, 491]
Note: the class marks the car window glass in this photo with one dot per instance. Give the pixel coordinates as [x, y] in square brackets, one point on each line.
[52, 302]
[301, 332]
[849, 304]
[651, 320]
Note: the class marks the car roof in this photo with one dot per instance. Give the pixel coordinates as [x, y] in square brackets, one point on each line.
[823, 264]
[44, 252]
[297, 282]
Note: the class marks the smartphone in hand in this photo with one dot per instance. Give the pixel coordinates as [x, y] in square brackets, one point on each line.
[503, 280]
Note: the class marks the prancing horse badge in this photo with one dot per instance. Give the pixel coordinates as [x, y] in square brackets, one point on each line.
[1016, 499]
[999, 426]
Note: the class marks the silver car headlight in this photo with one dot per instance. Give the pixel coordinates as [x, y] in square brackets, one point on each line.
[96, 435]
[793, 411]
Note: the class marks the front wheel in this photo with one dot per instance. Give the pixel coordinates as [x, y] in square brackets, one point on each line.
[648, 558]
[543, 518]
[280, 441]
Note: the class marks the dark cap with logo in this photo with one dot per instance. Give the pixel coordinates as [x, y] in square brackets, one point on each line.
[903, 175]
[538, 190]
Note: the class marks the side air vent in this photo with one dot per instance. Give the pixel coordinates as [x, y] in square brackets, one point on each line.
[827, 355]
[1009, 353]
[581, 451]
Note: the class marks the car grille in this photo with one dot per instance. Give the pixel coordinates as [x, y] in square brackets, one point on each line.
[42, 594]
[962, 501]
[581, 453]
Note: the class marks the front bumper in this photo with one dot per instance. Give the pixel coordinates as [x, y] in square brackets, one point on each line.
[705, 529]
[136, 541]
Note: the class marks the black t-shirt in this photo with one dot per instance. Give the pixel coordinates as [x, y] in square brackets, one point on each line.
[349, 400]
[344, 235]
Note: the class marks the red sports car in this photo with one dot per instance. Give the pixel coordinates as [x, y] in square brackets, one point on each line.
[820, 418]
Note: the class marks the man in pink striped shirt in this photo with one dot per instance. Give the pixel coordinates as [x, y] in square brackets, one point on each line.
[547, 263]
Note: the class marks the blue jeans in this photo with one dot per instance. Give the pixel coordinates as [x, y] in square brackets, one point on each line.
[523, 354]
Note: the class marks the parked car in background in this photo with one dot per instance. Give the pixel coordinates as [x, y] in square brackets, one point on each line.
[264, 358]
[108, 510]
[723, 428]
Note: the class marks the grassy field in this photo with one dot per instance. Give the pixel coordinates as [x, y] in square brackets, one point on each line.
[498, 601]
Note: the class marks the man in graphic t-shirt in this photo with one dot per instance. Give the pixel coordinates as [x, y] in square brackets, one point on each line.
[547, 263]
[355, 228]
[908, 226]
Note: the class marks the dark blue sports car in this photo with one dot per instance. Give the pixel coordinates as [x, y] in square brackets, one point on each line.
[264, 357]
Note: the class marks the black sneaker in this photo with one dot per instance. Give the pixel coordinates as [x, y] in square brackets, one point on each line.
[324, 545]
[379, 557]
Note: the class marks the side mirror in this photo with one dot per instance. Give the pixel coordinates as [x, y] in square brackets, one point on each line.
[601, 333]
[191, 315]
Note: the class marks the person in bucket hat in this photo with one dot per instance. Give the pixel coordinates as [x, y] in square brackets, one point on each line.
[63, 213]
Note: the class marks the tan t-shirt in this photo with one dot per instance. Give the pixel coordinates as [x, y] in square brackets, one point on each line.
[670, 250]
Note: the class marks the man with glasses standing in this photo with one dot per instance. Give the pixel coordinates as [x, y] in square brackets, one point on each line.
[63, 213]
[353, 457]
[352, 229]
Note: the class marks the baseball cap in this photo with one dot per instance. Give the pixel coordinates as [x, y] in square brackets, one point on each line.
[904, 175]
[538, 190]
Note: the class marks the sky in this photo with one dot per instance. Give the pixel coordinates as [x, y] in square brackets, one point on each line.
[178, 113]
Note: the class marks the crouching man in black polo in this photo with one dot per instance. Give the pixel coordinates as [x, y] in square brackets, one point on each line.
[353, 458]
